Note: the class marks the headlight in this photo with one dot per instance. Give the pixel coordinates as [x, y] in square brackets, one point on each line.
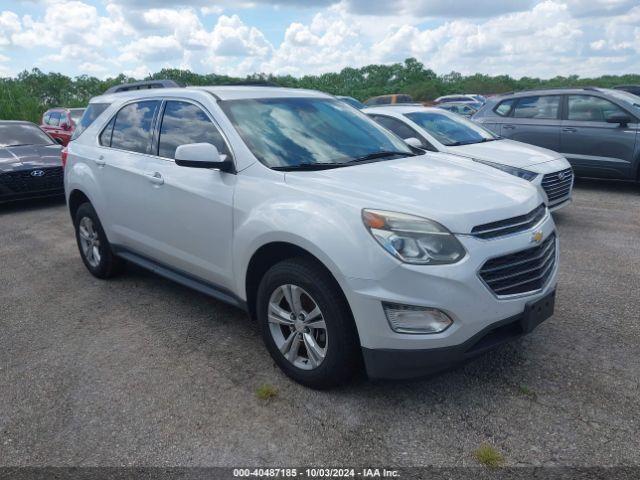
[518, 172]
[413, 239]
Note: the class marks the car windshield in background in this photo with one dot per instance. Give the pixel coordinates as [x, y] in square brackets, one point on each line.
[92, 112]
[15, 134]
[290, 132]
[76, 114]
[451, 131]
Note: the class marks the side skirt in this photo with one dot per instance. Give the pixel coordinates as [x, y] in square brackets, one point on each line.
[202, 286]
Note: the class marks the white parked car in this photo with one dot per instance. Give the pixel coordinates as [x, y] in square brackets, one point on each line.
[443, 131]
[344, 244]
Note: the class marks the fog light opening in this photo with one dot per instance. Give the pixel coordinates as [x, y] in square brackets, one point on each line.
[417, 320]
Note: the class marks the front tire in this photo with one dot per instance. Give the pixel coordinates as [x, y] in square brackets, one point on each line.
[306, 324]
[94, 247]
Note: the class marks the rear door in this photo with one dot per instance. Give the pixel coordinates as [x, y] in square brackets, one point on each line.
[535, 120]
[122, 166]
[593, 146]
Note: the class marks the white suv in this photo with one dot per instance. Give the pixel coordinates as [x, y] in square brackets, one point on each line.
[346, 245]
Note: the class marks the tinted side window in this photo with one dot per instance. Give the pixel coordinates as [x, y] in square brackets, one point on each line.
[45, 119]
[504, 108]
[588, 108]
[184, 123]
[399, 128]
[54, 118]
[541, 107]
[132, 128]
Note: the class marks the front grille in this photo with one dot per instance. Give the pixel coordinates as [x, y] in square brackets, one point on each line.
[521, 272]
[22, 181]
[510, 225]
[557, 185]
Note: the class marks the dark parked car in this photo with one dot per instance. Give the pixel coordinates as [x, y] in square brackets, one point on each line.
[60, 123]
[635, 89]
[596, 129]
[30, 163]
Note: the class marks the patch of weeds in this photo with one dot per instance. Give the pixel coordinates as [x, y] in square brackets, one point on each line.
[526, 391]
[488, 456]
[266, 392]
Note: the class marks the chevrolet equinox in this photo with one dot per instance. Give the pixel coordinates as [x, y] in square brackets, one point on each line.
[347, 246]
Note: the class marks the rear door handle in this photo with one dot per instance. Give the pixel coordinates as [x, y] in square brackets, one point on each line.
[100, 161]
[570, 129]
[508, 127]
[155, 178]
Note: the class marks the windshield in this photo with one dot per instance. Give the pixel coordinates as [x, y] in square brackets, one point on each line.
[450, 130]
[14, 134]
[76, 114]
[284, 132]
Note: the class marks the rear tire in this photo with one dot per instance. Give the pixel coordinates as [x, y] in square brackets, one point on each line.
[94, 247]
[306, 324]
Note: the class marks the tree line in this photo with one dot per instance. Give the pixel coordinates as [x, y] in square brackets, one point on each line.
[30, 93]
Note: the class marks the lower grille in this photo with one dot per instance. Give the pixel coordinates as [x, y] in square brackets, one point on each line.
[557, 185]
[525, 271]
[23, 181]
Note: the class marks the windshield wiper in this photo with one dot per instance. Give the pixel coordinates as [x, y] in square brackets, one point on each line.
[381, 154]
[308, 166]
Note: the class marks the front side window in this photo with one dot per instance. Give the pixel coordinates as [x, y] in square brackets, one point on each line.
[540, 107]
[132, 127]
[285, 132]
[16, 134]
[587, 108]
[504, 108]
[451, 130]
[89, 114]
[184, 123]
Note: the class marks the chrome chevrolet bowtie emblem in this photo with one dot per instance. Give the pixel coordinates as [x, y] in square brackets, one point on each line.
[37, 173]
[536, 237]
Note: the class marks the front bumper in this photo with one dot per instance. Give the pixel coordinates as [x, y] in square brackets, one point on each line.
[401, 364]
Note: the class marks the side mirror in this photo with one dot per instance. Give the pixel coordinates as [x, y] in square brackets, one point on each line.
[413, 142]
[622, 118]
[202, 155]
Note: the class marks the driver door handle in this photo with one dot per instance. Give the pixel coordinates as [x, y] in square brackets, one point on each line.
[155, 178]
[508, 127]
[569, 129]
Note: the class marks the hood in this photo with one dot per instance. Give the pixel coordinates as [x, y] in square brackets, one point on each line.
[507, 152]
[27, 157]
[454, 192]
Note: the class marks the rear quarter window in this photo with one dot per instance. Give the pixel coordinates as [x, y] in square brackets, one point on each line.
[92, 112]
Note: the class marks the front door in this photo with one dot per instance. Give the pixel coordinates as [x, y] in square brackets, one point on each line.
[594, 146]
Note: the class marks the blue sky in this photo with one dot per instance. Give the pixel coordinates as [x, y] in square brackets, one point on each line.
[540, 38]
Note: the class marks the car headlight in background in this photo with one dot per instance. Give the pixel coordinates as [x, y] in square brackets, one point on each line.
[518, 172]
[412, 239]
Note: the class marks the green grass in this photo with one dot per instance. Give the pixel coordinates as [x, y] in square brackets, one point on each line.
[488, 456]
[266, 392]
[524, 390]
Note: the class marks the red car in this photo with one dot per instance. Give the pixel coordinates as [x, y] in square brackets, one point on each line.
[60, 123]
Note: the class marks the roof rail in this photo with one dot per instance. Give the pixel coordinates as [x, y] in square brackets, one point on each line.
[144, 85]
[525, 90]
